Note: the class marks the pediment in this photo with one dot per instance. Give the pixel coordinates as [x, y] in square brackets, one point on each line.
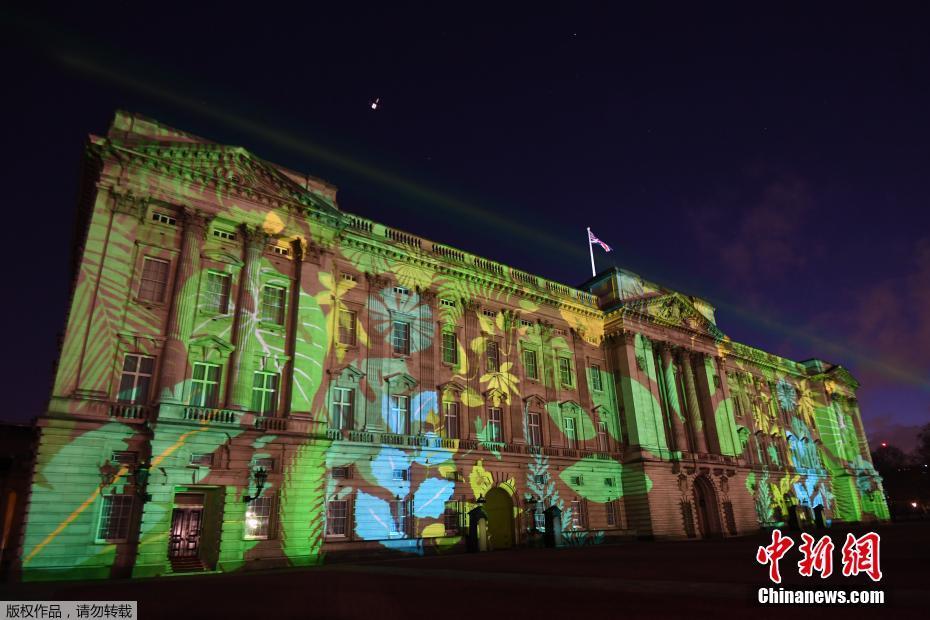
[401, 380]
[495, 397]
[676, 310]
[842, 375]
[451, 386]
[347, 373]
[570, 405]
[212, 342]
[235, 170]
[536, 400]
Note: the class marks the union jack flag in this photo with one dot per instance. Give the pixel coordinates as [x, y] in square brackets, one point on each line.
[593, 239]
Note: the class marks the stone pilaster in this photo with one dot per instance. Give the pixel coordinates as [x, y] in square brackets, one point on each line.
[709, 400]
[472, 331]
[246, 320]
[183, 307]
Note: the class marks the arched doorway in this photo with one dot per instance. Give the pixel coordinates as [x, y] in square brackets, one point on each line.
[499, 508]
[708, 511]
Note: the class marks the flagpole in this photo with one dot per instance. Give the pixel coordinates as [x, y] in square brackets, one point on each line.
[591, 251]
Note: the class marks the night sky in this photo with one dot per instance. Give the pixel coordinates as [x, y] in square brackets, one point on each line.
[776, 164]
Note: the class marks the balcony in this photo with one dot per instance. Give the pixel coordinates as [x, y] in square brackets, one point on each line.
[212, 416]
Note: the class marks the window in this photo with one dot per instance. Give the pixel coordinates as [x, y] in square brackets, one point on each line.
[494, 424]
[577, 481]
[216, 293]
[602, 438]
[398, 414]
[525, 323]
[571, 440]
[115, 514]
[341, 473]
[451, 420]
[205, 384]
[280, 250]
[539, 479]
[125, 457]
[343, 399]
[612, 514]
[202, 459]
[161, 218]
[399, 474]
[272, 309]
[154, 279]
[539, 518]
[529, 365]
[450, 348]
[493, 356]
[533, 435]
[491, 314]
[348, 277]
[400, 337]
[337, 517]
[400, 290]
[224, 234]
[399, 509]
[565, 371]
[265, 392]
[448, 303]
[266, 463]
[136, 378]
[578, 515]
[348, 319]
[609, 482]
[596, 383]
[258, 518]
[450, 518]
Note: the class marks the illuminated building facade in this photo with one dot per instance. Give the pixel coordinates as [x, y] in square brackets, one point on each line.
[234, 336]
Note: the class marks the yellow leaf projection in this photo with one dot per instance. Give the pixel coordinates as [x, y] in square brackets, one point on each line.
[480, 479]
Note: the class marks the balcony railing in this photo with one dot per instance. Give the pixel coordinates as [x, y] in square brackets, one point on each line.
[216, 416]
[130, 412]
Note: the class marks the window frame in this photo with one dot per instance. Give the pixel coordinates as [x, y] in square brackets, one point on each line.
[263, 389]
[571, 440]
[346, 408]
[105, 518]
[137, 374]
[492, 363]
[453, 359]
[496, 426]
[146, 260]
[206, 381]
[535, 365]
[447, 406]
[208, 294]
[343, 329]
[281, 307]
[405, 349]
[534, 439]
[597, 383]
[267, 519]
[566, 372]
[343, 518]
[392, 409]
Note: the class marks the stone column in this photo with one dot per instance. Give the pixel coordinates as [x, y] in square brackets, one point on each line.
[709, 400]
[246, 320]
[694, 404]
[672, 397]
[377, 349]
[183, 307]
[429, 356]
[472, 331]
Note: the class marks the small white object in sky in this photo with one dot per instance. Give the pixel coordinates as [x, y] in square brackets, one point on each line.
[375, 103]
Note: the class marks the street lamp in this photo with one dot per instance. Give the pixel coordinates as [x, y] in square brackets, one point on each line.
[141, 477]
[261, 476]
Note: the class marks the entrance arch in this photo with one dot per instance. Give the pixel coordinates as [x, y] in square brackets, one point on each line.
[708, 511]
[499, 508]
